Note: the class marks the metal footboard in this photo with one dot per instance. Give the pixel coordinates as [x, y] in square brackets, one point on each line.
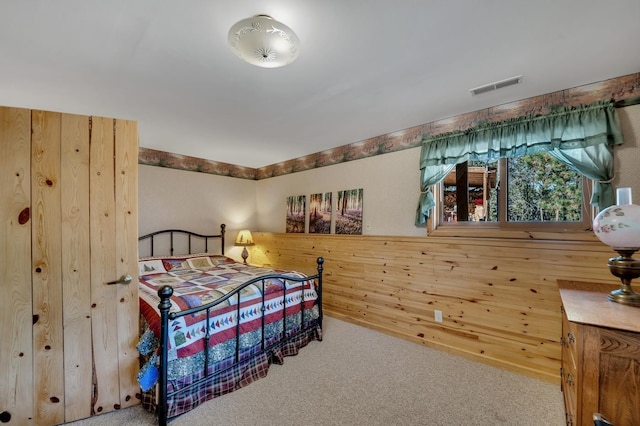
[164, 306]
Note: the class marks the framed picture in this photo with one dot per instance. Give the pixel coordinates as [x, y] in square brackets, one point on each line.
[320, 213]
[349, 212]
[296, 205]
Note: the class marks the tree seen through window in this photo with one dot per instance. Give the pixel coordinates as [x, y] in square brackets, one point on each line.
[534, 188]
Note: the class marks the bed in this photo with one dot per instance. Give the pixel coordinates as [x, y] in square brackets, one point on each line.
[211, 325]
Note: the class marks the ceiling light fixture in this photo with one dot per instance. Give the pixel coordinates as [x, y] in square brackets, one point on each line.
[263, 41]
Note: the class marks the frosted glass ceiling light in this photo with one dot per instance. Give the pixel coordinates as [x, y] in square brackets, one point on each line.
[263, 41]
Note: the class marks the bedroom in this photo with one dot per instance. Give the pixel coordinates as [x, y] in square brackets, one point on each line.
[391, 188]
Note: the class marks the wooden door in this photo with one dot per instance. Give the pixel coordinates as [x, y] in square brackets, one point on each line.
[16, 333]
[75, 258]
[46, 263]
[69, 226]
[113, 199]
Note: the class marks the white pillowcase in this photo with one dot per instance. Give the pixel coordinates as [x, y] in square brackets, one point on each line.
[147, 267]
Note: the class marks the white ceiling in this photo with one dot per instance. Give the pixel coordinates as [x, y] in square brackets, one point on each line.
[366, 67]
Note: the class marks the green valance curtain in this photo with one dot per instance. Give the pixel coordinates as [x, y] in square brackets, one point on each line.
[581, 137]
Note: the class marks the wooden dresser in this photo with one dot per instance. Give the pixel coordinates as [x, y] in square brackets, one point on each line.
[600, 355]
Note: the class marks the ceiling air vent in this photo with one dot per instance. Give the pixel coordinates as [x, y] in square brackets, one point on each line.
[496, 85]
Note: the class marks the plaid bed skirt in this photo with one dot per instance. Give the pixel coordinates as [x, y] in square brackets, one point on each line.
[231, 378]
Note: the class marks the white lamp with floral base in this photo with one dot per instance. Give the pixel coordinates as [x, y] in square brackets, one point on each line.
[619, 227]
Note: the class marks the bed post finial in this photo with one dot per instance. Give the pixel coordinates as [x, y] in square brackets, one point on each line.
[222, 229]
[165, 292]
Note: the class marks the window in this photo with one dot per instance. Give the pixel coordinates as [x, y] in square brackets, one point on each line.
[533, 189]
[524, 191]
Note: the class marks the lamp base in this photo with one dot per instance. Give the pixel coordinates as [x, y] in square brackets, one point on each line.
[626, 268]
[626, 298]
[245, 255]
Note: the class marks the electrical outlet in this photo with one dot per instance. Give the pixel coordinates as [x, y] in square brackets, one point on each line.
[438, 315]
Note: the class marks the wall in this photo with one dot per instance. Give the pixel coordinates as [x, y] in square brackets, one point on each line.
[498, 295]
[391, 184]
[627, 156]
[196, 202]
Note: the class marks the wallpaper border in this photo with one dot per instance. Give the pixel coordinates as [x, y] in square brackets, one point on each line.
[624, 91]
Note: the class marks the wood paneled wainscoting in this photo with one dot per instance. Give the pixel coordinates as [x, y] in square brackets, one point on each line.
[499, 297]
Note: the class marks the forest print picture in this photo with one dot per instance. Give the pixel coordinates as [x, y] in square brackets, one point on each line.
[349, 212]
[320, 213]
[295, 213]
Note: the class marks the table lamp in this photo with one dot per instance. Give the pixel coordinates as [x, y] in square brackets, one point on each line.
[244, 239]
[619, 227]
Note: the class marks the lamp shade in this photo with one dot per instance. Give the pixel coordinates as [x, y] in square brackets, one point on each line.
[263, 41]
[244, 238]
[619, 226]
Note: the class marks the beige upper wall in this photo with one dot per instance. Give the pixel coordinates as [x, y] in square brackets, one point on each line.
[627, 155]
[390, 183]
[199, 201]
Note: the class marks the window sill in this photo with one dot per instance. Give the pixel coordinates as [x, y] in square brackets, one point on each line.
[519, 233]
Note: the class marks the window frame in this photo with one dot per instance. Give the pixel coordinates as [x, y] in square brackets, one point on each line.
[439, 226]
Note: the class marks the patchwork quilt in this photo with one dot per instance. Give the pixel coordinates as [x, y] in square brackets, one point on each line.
[201, 279]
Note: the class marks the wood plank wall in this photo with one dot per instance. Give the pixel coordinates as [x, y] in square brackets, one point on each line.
[499, 297]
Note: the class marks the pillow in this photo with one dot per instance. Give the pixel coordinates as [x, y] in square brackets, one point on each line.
[148, 267]
[185, 261]
[172, 264]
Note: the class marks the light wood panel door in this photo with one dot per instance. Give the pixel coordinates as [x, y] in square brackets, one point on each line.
[113, 240]
[46, 264]
[68, 219]
[76, 249]
[16, 332]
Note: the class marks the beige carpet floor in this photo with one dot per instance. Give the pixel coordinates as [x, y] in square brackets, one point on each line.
[357, 376]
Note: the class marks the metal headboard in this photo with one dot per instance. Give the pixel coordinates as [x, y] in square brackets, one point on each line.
[190, 235]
